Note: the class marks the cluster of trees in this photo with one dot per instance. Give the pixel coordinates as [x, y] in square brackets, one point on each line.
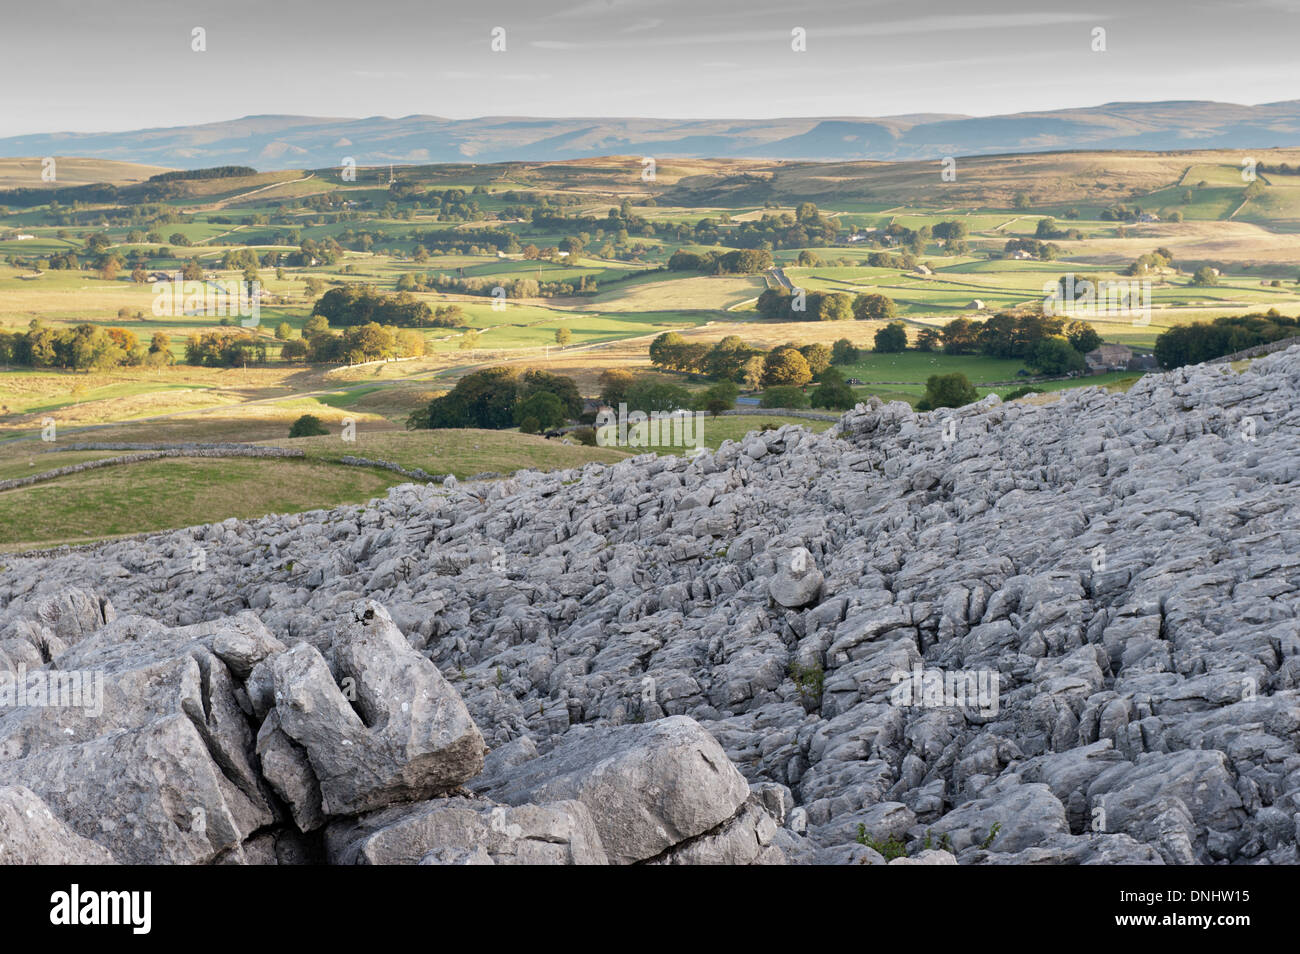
[735, 361]
[782, 305]
[831, 392]
[1047, 251]
[642, 392]
[1048, 229]
[1150, 262]
[224, 349]
[740, 262]
[648, 394]
[489, 238]
[806, 227]
[82, 347]
[1121, 213]
[497, 398]
[777, 303]
[1046, 344]
[486, 285]
[362, 304]
[1201, 341]
[369, 342]
[947, 390]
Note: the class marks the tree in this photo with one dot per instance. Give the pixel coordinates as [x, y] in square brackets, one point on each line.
[481, 399]
[283, 331]
[540, 411]
[563, 336]
[1082, 337]
[315, 325]
[873, 308]
[785, 365]
[843, 351]
[1021, 201]
[784, 396]
[564, 388]
[832, 392]
[947, 390]
[314, 287]
[666, 350]
[818, 357]
[834, 307]
[929, 340]
[309, 425]
[726, 360]
[959, 336]
[410, 343]
[648, 395]
[892, 338]
[613, 386]
[718, 398]
[1055, 356]
[468, 341]
[1205, 275]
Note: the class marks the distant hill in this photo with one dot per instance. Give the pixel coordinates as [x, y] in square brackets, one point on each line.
[284, 142]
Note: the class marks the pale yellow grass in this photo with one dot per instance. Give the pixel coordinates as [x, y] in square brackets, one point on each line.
[24, 172]
[682, 294]
[1191, 241]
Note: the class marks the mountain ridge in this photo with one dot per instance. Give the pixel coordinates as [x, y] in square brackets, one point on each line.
[281, 141]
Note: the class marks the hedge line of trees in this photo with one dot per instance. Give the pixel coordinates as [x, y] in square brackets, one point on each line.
[1047, 345]
[83, 347]
[1201, 341]
[514, 287]
[1013, 335]
[782, 305]
[734, 360]
[739, 262]
[212, 172]
[369, 342]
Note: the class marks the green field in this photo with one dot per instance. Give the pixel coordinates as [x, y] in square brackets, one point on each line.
[914, 367]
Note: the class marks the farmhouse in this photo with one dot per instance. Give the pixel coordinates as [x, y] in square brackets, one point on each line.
[1108, 357]
[977, 304]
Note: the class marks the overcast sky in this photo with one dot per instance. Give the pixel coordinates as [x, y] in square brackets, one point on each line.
[90, 65]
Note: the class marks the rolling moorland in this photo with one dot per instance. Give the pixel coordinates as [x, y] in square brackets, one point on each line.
[583, 251]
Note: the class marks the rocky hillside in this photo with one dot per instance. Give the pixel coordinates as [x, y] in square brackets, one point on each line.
[1002, 634]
